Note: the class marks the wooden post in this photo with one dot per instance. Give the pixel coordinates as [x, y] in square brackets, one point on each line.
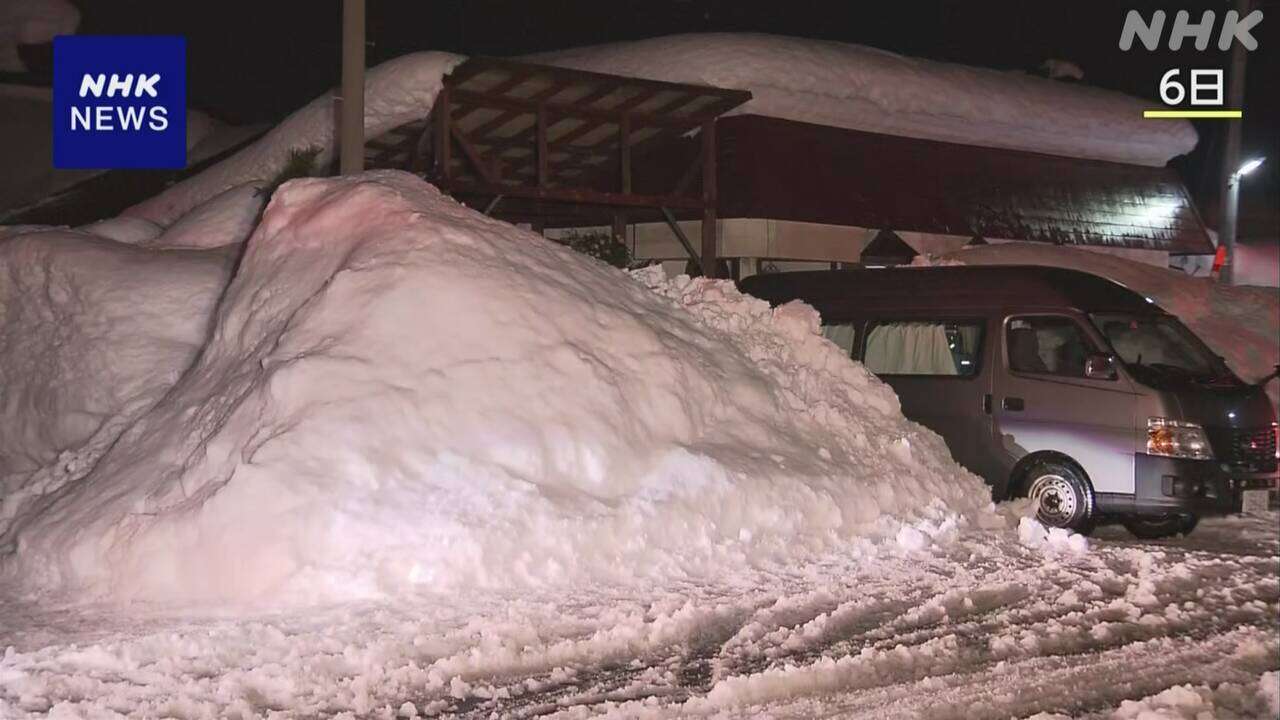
[619, 227]
[544, 162]
[351, 124]
[624, 152]
[710, 255]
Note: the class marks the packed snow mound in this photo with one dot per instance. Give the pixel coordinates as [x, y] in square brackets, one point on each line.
[92, 333]
[124, 229]
[396, 92]
[1242, 324]
[227, 219]
[399, 393]
[862, 88]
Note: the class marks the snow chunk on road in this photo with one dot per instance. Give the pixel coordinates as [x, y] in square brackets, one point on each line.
[402, 394]
[1034, 534]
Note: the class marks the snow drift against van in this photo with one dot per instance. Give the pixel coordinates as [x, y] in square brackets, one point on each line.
[400, 393]
[1242, 324]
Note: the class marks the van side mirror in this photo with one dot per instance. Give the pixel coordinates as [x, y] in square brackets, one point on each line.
[1100, 367]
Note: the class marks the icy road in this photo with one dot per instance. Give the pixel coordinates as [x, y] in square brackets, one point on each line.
[989, 626]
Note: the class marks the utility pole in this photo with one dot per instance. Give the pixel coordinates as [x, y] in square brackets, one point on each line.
[1230, 185]
[351, 120]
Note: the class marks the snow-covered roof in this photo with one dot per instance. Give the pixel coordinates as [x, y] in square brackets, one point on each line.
[863, 88]
[814, 81]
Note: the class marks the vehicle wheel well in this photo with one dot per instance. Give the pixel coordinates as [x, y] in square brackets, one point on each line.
[1018, 477]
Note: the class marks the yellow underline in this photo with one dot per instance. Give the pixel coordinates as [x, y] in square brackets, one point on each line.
[1194, 114]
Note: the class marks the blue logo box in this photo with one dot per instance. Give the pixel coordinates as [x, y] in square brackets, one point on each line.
[119, 101]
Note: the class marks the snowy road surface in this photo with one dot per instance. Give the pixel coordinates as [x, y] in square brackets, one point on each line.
[983, 627]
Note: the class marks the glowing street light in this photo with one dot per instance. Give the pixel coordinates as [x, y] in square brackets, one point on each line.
[1231, 209]
[1249, 167]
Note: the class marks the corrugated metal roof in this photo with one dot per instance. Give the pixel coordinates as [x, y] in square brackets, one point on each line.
[789, 170]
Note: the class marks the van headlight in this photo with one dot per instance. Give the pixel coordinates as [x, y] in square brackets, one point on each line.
[1177, 439]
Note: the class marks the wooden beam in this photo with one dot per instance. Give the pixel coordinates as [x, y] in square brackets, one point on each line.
[588, 127]
[710, 253]
[488, 126]
[527, 134]
[572, 195]
[473, 156]
[502, 88]
[571, 110]
[684, 239]
[476, 65]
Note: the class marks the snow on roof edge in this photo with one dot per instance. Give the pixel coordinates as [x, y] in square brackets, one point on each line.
[864, 88]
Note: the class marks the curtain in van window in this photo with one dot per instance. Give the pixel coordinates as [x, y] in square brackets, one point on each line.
[968, 338]
[915, 348]
[841, 335]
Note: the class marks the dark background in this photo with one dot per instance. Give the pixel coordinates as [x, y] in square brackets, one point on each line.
[256, 62]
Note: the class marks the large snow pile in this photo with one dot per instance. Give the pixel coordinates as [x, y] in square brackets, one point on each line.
[862, 88]
[399, 393]
[1240, 323]
[91, 334]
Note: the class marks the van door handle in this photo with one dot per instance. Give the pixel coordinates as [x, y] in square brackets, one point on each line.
[986, 403]
[1013, 404]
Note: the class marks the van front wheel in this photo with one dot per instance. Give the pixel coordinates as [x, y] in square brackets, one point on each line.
[1160, 526]
[1063, 496]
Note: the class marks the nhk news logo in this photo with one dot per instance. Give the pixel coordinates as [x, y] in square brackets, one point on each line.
[119, 101]
[1192, 90]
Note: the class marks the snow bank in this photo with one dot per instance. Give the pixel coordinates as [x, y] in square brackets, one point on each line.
[124, 229]
[864, 88]
[399, 393]
[228, 219]
[1240, 323]
[396, 92]
[92, 333]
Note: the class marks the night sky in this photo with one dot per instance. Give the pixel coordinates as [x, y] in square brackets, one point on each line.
[256, 62]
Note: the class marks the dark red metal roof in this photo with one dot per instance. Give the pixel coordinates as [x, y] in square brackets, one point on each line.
[788, 170]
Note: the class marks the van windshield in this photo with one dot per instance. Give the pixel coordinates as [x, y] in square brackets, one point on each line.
[1160, 345]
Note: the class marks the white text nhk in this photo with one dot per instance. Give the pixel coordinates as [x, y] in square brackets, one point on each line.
[119, 117]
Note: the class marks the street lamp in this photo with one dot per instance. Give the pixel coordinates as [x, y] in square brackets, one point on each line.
[1230, 213]
[1249, 167]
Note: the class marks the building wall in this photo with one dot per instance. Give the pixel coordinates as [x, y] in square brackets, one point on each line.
[781, 240]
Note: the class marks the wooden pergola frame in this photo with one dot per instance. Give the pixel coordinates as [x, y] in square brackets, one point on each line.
[528, 141]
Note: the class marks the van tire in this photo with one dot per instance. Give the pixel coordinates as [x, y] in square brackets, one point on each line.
[1065, 496]
[1149, 527]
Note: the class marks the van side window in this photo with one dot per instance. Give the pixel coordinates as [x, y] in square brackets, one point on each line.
[1047, 345]
[842, 334]
[942, 347]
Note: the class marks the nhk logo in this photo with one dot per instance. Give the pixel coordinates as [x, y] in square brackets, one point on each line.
[119, 102]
